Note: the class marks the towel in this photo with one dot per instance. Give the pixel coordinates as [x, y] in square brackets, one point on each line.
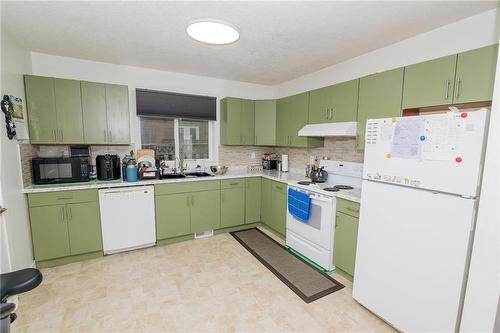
[299, 204]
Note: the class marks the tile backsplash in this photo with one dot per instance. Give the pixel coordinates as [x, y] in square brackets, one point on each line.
[343, 149]
[29, 151]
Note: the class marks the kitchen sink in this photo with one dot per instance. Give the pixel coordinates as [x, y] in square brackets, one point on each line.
[198, 174]
[172, 175]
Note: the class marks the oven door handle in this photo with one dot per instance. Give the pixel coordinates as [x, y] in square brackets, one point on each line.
[320, 199]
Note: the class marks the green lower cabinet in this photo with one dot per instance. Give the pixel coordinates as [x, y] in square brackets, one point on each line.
[84, 227]
[278, 210]
[49, 232]
[252, 199]
[65, 230]
[265, 202]
[346, 234]
[232, 207]
[205, 210]
[172, 215]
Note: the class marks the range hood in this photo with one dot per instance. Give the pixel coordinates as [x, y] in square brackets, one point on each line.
[348, 128]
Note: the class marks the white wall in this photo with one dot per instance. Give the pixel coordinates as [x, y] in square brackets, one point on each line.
[15, 230]
[483, 287]
[137, 77]
[470, 33]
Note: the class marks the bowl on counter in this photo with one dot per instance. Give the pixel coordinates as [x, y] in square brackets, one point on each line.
[218, 169]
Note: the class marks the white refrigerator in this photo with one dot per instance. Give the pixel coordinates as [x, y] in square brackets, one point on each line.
[419, 196]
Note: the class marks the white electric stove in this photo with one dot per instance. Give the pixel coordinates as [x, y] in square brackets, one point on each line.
[314, 238]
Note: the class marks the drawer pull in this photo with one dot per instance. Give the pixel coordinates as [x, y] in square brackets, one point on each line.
[65, 198]
[233, 183]
[352, 210]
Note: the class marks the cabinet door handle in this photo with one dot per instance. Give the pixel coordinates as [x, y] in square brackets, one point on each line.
[459, 83]
[64, 198]
[62, 213]
[110, 136]
[105, 136]
[327, 113]
[62, 135]
[447, 89]
[192, 200]
[55, 135]
[69, 213]
[256, 139]
[233, 183]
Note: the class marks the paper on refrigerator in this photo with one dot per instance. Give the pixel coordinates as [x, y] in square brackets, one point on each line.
[406, 139]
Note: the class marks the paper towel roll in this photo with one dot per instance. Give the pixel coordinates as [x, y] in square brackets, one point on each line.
[284, 163]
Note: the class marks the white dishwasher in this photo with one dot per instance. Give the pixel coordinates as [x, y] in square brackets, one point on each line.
[127, 218]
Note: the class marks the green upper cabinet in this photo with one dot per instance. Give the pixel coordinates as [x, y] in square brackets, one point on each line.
[75, 112]
[117, 114]
[265, 122]
[429, 83]
[41, 104]
[247, 125]
[69, 111]
[337, 103]
[379, 97]
[252, 199]
[237, 121]
[475, 75]
[94, 112]
[54, 110]
[292, 114]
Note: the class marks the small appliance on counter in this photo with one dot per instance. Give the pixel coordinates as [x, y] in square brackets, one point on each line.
[57, 170]
[108, 167]
[269, 161]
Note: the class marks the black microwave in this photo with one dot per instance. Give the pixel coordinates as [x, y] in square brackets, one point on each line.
[60, 170]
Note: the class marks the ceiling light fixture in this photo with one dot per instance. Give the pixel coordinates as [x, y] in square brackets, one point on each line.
[212, 32]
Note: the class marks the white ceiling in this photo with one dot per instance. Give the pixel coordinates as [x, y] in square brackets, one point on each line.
[279, 40]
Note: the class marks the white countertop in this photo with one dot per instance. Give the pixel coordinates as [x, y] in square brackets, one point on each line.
[285, 177]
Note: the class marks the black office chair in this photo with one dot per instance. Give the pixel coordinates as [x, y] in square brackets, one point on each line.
[11, 284]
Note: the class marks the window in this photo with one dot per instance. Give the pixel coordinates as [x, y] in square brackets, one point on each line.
[171, 138]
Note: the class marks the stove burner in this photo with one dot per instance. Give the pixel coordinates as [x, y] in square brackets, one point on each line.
[343, 187]
[304, 182]
[331, 189]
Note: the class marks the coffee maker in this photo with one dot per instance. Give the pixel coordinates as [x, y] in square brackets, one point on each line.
[108, 167]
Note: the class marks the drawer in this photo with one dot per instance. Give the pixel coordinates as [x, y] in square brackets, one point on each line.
[279, 187]
[348, 207]
[183, 187]
[61, 197]
[232, 183]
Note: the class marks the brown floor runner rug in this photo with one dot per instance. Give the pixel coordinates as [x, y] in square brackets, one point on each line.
[306, 281]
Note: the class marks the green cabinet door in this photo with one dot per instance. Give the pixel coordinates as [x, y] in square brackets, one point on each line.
[231, 121]
[205, 210]
[345, 240]
[41, 106]
[232, 206]
[252, 199]
[282, 122]
[319, 104]
[266, 201]
[379, 97]
[49, 232]
[117, 113]
[476, 75]
[84, 227]
[278, 211]
[172, 215]
[68, 104]
[95, 125]
[298, 112]
[265, 122]
[247, 122]
[344, 101]
[429, 83]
